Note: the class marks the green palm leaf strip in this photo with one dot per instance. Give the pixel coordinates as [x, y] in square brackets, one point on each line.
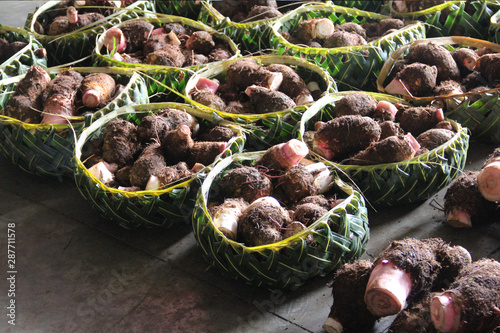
[292, 261]
[187, 8]
[160, 208]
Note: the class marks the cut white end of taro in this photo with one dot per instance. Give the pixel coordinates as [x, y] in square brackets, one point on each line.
[114, 38]
[387, 289]
[293, 152]
[204, 83]
[444, 314]
[226, 220]
[488, 181]
[388, 107]
[293, 228]
[72, 15]
[440, 115]
[264, 200]
[324, 28]
[197, 167]
[173, 39]
[396, 87]
[304, 98]
[313, 86]
[458, 219]
[118, 57]
[91, 98]
[332, 326]
[274, 81]
[101, 172]
[153, 184]
[79, 3]
[410, 139]
[323, 180]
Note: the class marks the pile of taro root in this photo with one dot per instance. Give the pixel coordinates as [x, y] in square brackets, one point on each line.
[250, 88]
[173, 44]
[430, 285]
[8, 49]
[68, 18]
[38, 99]
[323, 33]
[367, 132]
[277, 196]
[164, 148]
[472, 198]
[245, 11]
[429, 69]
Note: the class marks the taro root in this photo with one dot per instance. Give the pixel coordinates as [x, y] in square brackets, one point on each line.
[261, 221]
[119, 142]
[226, 215]
[208, 98]
[246, 72]
[204, 152]
[349, 312]
[136, 33]
[352, 27]
[471, 302]
[389, 150]
[177, 144]
[389, 128]
[488, 179]
[262, 12]
[416, 318]
[247, 183]
[308, 213]
[217, 133]
[97, 89]
[356, 103]
[265, 100]
[59, 97]
[463, 203]
[26, 102]
[416, 79]
[419, 119]
[8, 49]
[295, 184]
[220, 52]
[283, 156]
[435, 55]
[200, 42]
[389, 24]
[385, 111]
[293, 85]
[343, 38]
[170, 55]
[466, 59]
[317, 28]
[148, 164]
[166, 176]
[489, 66]
[435, 137]
[342, 136]
[409, 269]
[76, 20]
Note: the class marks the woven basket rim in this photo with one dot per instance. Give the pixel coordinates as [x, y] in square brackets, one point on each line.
[77, 120]
[430, 10]
[212, 71]
[241, 157]
[136, 109]
[450, 40]
[459, 132]
[162, 18]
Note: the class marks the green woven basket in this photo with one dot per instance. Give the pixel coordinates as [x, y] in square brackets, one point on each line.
[251, 36]
[185, 8]
[163, 79]
[353, 67]
[453, 18]
[160, 208]
[292, 261]
[405, 182]
[32, 54]
[367, 5]
[79, 44]
[47, 150]
[481, 117]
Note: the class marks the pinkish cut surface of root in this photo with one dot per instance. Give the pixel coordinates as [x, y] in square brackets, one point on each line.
[283, 156]
[415, 79]
[114, 39]
[97, 89]
[445, 314]
[387, 289]
[488, 181]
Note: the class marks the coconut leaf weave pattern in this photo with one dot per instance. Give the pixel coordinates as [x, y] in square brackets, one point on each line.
[187, 8]
[47, 150]
[161, 208]
[292, 261]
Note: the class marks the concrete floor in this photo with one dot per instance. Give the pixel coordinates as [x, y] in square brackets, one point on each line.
[77, 272]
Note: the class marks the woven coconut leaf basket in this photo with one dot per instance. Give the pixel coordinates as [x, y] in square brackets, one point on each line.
[452, 18]
[77, 46]
[352, 67]
[185, 8]
[47, 150]
[163, 81]
[367, 5]
[339, 237]
[251, 36]
[148, 208]
[32, 53]
[308, 71]
[393, 184]
[478, 111]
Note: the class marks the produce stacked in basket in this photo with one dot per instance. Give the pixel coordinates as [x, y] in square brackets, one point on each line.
[139, 166]
[18, 52]
[168, 49]
[68, 29]
[274, 90]
[351, 44]
[394, 153]
[431, 286]
[273, 219]
[446, 18]
[459, 74]
[41, 114]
